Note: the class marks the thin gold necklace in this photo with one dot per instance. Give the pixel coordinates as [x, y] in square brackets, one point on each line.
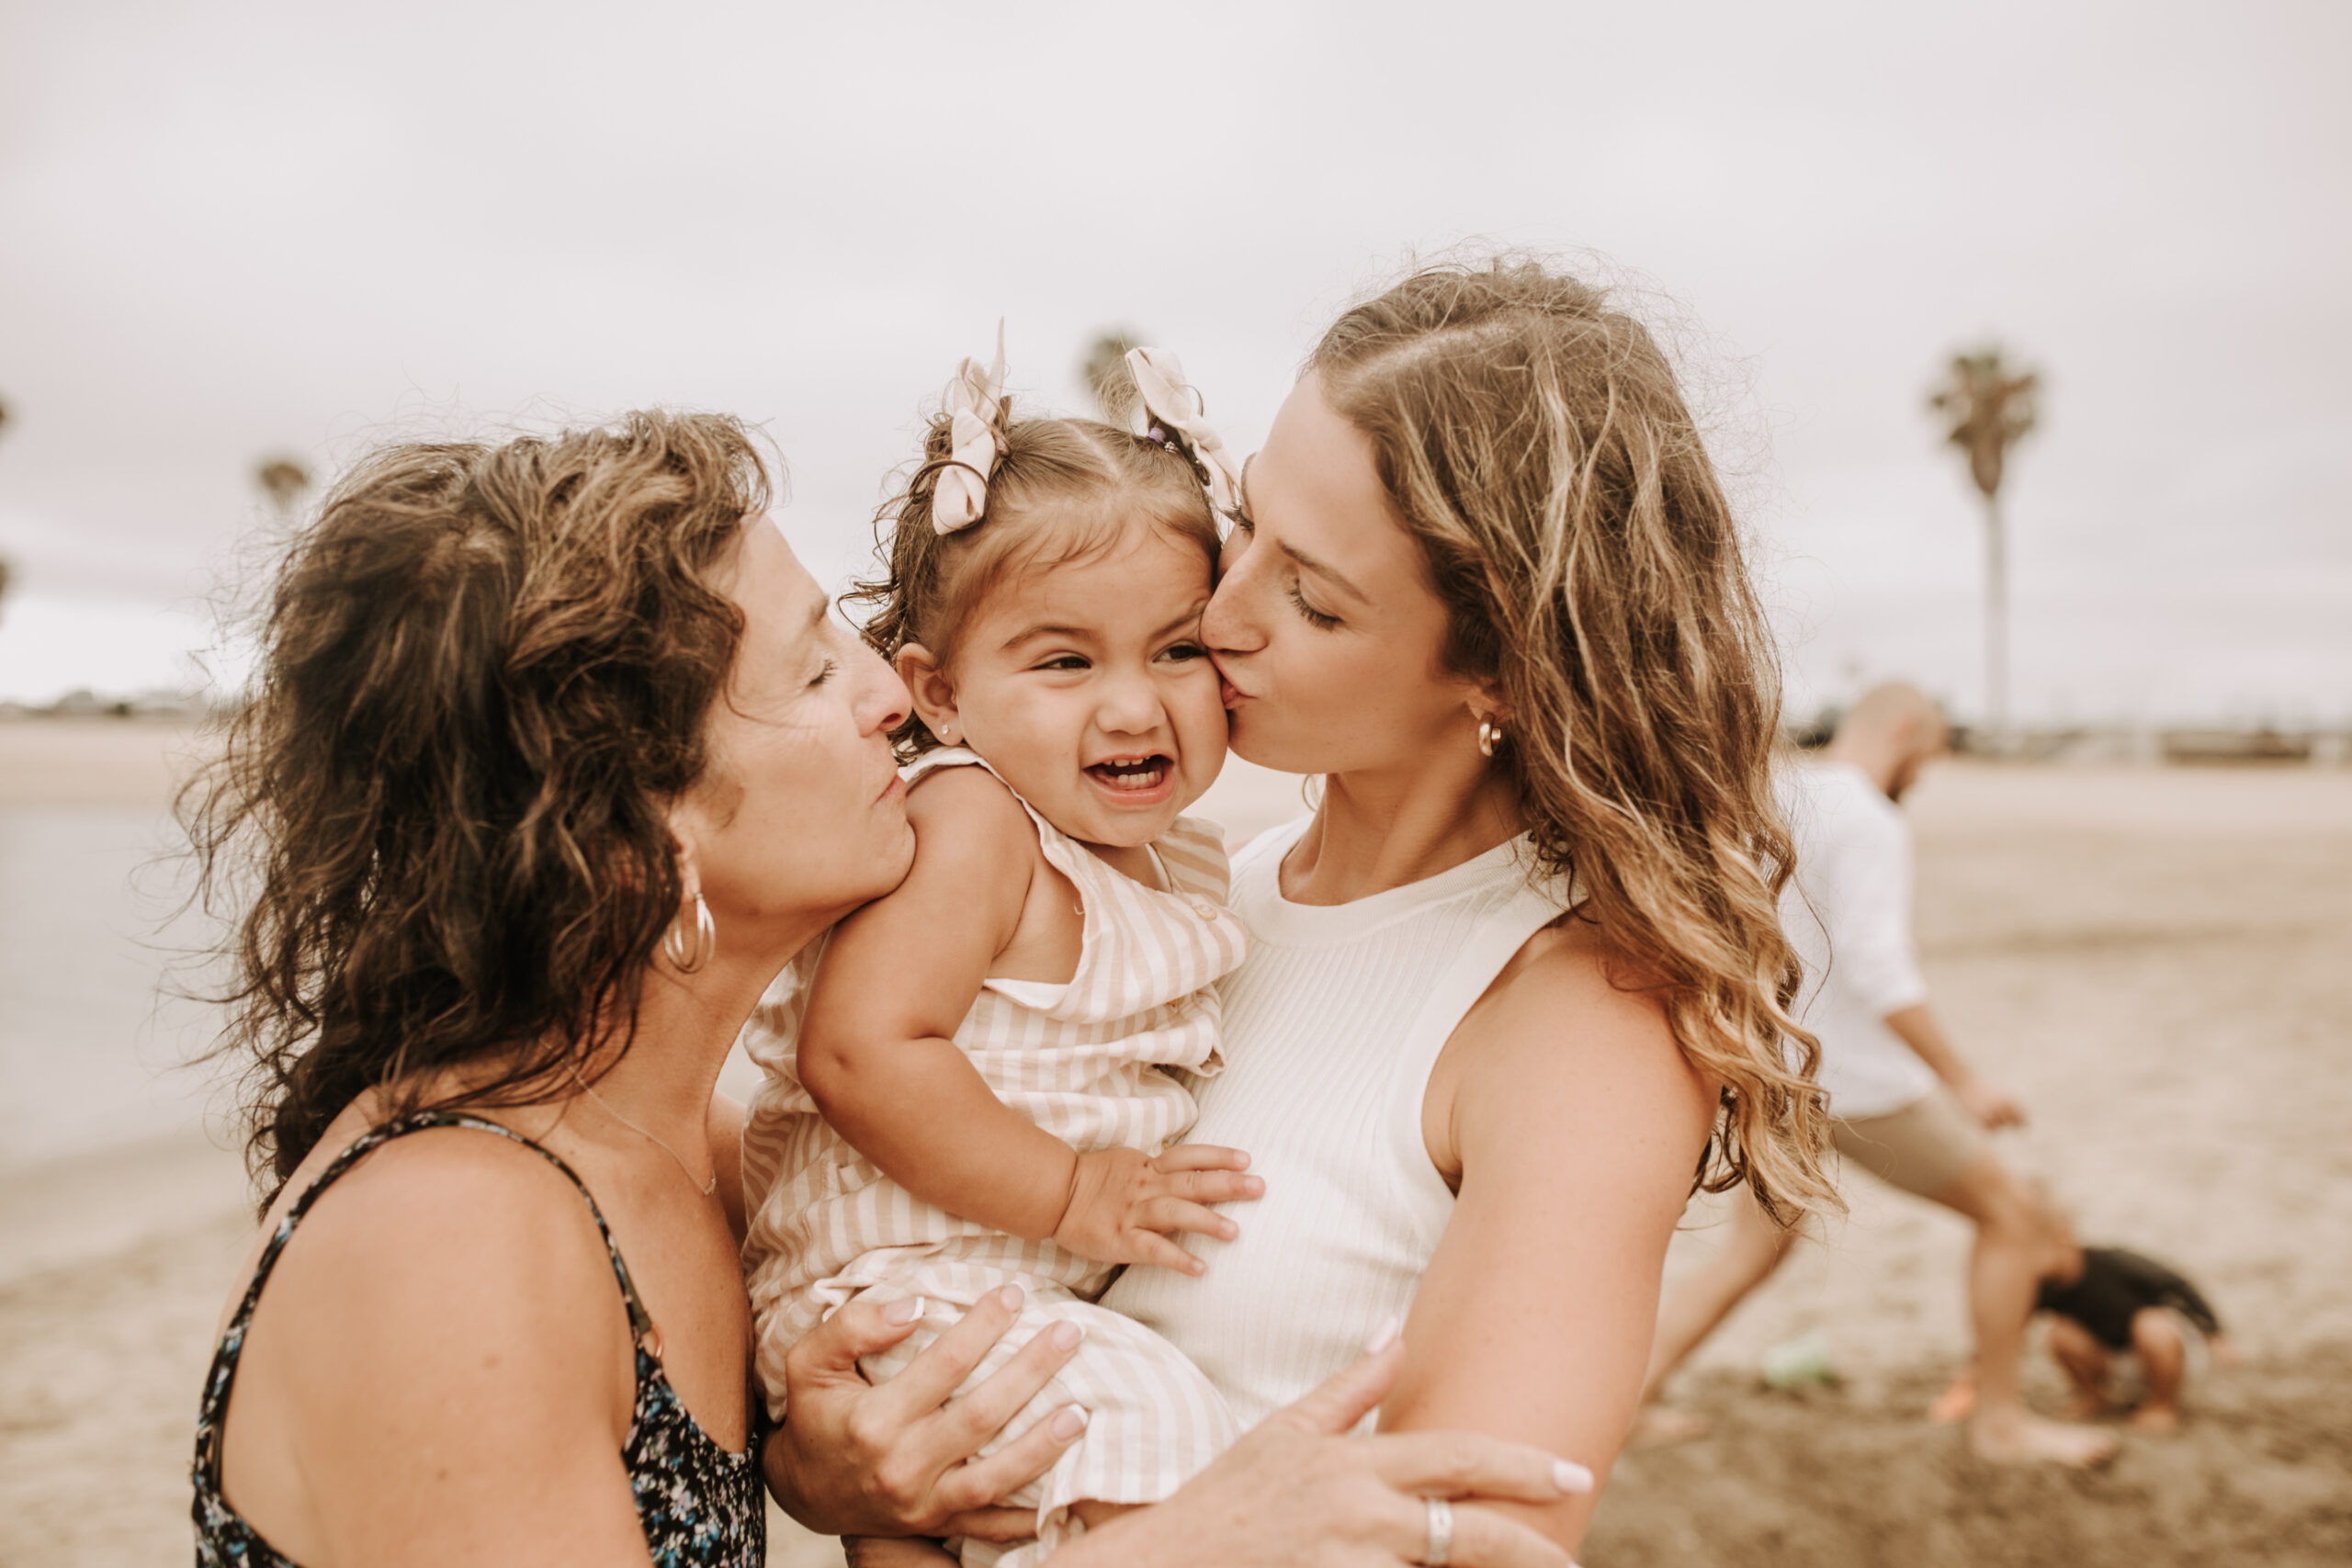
[707, 1187]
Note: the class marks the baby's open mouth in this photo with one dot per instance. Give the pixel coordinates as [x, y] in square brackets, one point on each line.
[1132, 772]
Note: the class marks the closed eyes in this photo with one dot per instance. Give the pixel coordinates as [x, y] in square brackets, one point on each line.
[1315, 617]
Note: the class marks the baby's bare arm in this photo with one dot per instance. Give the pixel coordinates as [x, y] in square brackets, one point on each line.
[878, 1052]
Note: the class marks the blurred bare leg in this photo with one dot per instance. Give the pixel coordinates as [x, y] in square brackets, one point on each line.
[2085, 1364]
[1753, 1248]
[2017, 1246]
[2164, 1364]
[1958, 1402]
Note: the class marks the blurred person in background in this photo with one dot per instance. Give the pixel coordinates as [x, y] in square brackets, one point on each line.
[1904, 1104]
[555, 757]
[2120, 1311]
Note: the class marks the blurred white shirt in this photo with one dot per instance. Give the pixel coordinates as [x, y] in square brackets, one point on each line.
[1847, 913]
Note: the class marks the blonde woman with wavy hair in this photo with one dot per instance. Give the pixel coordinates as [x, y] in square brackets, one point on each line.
[1518, 982]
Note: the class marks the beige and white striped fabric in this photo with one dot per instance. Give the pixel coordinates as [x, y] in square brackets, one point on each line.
[1091, 1062]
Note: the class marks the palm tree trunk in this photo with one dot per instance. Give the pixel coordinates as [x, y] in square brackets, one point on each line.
[1997, 625]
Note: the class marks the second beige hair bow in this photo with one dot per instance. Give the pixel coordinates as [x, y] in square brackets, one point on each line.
[1174, 404]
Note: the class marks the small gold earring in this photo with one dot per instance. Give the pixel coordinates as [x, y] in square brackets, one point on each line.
[1489, 737]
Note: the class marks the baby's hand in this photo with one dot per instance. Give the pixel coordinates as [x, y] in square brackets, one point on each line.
[1123, 1207]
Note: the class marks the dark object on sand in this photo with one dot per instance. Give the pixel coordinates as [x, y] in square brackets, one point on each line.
[2115, 1284]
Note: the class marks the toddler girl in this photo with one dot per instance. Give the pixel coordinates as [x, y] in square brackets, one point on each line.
[972, 1083]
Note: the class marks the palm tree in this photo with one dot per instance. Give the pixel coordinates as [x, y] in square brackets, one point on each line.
[1104, 368]
[1988, 407]
[283, 480]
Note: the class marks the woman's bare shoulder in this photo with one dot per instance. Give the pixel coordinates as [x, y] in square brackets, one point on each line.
[443, 1253]
[1571, 1024]
[1571, 987]
[442, 1355]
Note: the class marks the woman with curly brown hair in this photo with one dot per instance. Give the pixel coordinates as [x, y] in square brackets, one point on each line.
[555, 758]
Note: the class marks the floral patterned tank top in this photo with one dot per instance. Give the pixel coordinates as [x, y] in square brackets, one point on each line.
[698, 1503]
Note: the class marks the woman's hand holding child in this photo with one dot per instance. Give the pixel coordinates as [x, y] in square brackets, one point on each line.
[900, 1459]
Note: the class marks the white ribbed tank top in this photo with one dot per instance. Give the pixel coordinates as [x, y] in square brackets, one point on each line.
[1331, 1026]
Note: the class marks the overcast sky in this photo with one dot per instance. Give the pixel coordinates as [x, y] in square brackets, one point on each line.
[232, 230]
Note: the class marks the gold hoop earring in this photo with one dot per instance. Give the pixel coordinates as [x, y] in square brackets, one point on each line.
[1489, 737]
[673, 947]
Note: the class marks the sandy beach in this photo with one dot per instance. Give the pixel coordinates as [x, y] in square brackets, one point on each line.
[2154, 959]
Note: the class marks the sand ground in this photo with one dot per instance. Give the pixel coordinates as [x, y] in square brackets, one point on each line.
[2160, 962]
[2156, 960]
[74, 762]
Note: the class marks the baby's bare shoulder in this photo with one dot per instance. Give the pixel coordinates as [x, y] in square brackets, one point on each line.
[966, 822]
[963, 797]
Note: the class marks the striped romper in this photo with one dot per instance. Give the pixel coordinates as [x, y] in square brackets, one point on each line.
[1091, 1062]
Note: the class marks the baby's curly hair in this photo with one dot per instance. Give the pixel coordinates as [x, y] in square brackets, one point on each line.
[1062, 489]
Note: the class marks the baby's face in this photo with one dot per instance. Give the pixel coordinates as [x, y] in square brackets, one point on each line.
[1086, 686]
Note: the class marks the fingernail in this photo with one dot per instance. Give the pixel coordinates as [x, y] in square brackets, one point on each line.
[1069, 1423]
[1384, 1336]
[1254, 1187]
[1229, 1231]
[906, 1309]
[1066, 1336]
[1012, 1296]
[1571, 1477]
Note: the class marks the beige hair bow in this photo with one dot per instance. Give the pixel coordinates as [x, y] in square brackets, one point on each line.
[960, 497]
[1173, 404]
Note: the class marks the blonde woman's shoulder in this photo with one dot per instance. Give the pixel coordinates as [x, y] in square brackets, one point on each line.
[1571, 1026]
